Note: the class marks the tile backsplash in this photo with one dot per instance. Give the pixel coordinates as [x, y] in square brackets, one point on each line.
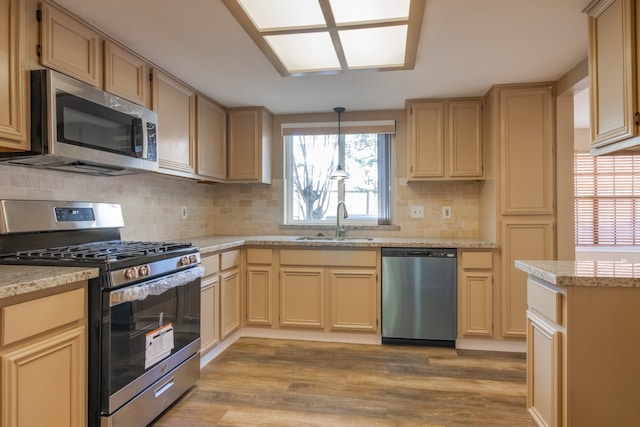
[152, 204]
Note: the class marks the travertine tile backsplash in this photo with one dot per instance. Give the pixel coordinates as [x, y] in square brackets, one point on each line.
[152, 204]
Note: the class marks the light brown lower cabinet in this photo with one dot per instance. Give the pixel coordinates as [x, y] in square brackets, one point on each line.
[210, 303]
[475, 293]
[229, 292]
[582, 355]
[43, 361]
[330, 290]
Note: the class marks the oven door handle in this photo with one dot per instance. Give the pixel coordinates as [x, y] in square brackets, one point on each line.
[155, 287]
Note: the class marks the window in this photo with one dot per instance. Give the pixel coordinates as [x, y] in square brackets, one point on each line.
[311, 156]
[607, 200]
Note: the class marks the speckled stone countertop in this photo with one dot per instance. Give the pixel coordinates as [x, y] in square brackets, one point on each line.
[22, 279]
[217, 243]
[584, 273]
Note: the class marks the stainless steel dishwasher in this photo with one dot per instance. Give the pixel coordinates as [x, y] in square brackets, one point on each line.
[419, 296]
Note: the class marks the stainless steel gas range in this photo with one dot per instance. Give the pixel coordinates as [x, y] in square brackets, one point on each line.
[144, 308]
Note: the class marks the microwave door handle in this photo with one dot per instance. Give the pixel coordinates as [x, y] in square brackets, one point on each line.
[138, 132]
[145, 140]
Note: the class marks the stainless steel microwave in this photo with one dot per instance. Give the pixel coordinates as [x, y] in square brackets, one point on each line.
[79, 128]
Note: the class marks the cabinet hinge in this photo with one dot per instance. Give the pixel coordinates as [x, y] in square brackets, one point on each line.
[39, 15]
[150, 76]
[38, 50]
[637, 115]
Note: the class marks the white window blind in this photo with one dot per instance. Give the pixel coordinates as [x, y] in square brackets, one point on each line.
[607, 200]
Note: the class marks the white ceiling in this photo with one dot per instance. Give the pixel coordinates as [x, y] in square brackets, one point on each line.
[466, 47]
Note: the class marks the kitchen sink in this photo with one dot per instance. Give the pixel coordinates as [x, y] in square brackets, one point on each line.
[334, 239]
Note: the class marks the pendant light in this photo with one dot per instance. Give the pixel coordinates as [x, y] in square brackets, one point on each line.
[339, 174]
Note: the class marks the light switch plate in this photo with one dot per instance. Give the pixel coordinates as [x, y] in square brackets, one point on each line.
[417, 211]
[446, 212]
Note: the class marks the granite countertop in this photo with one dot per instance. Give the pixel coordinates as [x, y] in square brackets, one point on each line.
[22, 279]
[584, 273]
[217, 243]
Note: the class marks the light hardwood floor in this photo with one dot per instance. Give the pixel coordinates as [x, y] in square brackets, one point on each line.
[265, 382]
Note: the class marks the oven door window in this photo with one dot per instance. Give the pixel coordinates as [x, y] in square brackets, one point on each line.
[142, 333]
[85, 123]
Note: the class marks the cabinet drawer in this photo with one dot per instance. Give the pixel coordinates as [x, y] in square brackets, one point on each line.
[259, 256]
[229, 259]
[20, 321]
[545, 301]
[210, 264]
[476, 260]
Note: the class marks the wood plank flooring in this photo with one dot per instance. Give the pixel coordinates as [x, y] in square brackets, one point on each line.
[267, 382]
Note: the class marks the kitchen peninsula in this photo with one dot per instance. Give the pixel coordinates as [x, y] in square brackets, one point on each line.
[583, 329]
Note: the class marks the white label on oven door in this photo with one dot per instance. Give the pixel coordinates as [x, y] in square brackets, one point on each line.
[159, 345]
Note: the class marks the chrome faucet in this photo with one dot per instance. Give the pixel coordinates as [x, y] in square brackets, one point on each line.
[340, 230]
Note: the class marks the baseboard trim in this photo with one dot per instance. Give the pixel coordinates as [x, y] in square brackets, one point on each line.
[491, 345]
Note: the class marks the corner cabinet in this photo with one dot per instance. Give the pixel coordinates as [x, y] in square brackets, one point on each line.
[175, 104]
[249, 145]
[613, 75]
[43, 360]
[211, 140]
[445, 139]
[14, 92]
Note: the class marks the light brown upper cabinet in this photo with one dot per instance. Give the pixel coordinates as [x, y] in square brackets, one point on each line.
[175, 104]
[211, 135]
[125, 74]
[13, 87]
[445, 139]
[73, 47]
[69, 46]
[249, 145]
[613, 78]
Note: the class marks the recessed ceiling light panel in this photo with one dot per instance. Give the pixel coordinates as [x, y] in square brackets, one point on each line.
[305, 52]
[364, 11]
[283, 14]
[380, 47]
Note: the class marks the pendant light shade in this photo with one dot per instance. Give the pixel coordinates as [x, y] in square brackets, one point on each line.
[339, 173]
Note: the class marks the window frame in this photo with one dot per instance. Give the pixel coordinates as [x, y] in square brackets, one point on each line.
[379, 127]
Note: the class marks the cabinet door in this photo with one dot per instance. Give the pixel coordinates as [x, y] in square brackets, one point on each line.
[476, 303]
[211, 140]
[43, 384]
[527, 175]
[229, 302]
[13, 88]
[425, 151]
[353, 296]
[209, 314]
[259, 295]
[302, 297]
[69, 46]
[175, 105]
[465, 139]
[249, 145]
[544, 380]
[531, 240]
[612, 71]
[125, 74]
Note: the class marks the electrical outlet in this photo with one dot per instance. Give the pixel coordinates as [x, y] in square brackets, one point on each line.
[183, 212]
[417, 211]
[446, 212]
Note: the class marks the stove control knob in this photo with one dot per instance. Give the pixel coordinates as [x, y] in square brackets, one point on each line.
[183, 261]
[131, 273]
[193, 259]
[143, 270]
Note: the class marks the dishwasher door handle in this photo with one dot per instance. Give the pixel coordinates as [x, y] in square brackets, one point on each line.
[419, 253]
